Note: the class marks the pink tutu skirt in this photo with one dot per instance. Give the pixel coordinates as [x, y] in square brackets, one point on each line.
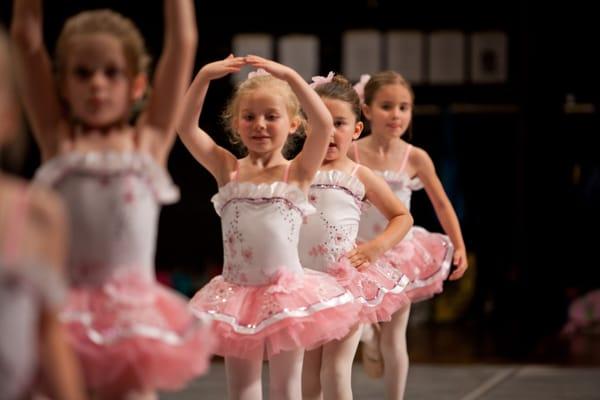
[293, 311]
[425, 258]
[133, 333]
[379, 288]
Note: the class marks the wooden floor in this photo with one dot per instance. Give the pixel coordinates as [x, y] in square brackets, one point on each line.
[452, 382]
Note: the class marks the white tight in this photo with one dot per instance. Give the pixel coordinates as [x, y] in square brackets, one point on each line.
[327, 371]
[395, 354]
[244, 377]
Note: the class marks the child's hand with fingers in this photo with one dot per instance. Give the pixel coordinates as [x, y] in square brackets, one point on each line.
[221, 68]
[279, 71]
[363, 254]
[460, 261]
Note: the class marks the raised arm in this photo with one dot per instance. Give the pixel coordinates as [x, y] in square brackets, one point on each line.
[381, 196]
[443, 208]
[217, 160]
[172, 76]
[307, 162]
[36, 82]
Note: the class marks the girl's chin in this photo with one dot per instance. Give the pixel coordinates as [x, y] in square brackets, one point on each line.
[332, 156]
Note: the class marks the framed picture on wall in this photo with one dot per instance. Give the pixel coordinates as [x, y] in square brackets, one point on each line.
[300, 52]
[361, 53]
[489, 57]
[447, 57]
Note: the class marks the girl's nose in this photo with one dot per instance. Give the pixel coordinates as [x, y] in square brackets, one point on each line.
[98, 77]
[259, 123]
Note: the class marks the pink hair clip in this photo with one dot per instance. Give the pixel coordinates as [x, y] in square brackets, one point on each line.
[360, 86]
[321, 80]
[258, 72]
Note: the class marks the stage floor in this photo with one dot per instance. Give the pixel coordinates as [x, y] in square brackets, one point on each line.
[452, 382]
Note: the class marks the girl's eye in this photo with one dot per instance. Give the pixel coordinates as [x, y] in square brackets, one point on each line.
[113, 72]
[82, 72]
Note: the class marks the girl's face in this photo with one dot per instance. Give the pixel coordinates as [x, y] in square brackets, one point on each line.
[390, 112]
[97, 84]
[346, 129]
[263, 121]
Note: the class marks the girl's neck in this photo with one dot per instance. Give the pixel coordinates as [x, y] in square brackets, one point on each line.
[265, 160]
[384, 145]
[120, 139]
[117, 126]
[339, 163]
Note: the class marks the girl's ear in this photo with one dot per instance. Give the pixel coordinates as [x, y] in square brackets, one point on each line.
[366, 110]
[358, 128]
[295, 124]
[140, 83]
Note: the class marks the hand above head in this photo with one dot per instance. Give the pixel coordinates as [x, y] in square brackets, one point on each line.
[279, 71]
[221, 68]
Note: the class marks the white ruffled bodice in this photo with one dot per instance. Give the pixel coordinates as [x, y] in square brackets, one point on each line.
[331, 231]
[372, 221]
[113, 201]
[260, 226]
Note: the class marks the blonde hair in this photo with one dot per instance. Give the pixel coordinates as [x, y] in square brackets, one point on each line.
[279, 87]
[104, 21]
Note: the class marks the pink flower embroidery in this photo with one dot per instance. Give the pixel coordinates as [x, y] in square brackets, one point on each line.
[342, 271]
[231, 239]
[284, 281]
[230, 244]
[247, 254]
[318, 250]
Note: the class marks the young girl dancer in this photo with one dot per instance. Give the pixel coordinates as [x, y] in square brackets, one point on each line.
[133, 336]
[265, 302]
[327, 241]
[425, 257]
[32, 258]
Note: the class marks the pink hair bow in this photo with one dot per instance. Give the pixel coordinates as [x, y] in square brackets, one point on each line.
[360, 86]
[258, 72]
[321, 80]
